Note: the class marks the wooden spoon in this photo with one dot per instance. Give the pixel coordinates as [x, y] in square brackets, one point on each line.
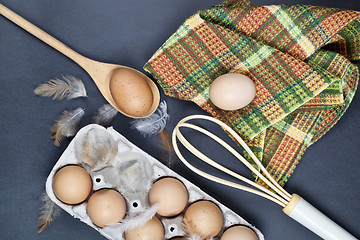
[100, 72]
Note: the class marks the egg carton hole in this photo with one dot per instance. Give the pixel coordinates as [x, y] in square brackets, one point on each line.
[173, 229]
[135, 204]
[98, 179]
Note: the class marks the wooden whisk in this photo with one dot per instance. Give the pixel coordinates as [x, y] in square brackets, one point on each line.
[293, 205]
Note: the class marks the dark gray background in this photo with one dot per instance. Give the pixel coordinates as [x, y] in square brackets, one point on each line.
[128, 33]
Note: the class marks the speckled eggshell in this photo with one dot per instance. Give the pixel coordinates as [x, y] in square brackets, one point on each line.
[239, 232]
[131, 92]
[170, 194]
[203, 218]
[105, 207]
[152, 230]
[232, 91]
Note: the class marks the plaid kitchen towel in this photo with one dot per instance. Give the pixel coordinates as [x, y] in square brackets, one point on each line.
[298, 56]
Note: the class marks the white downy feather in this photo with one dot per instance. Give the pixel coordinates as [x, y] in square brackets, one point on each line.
[47, 213]
[154, 123]
[106, 113]
[194, 237]
[135, 173]
[96, 149]
[131, 221]
[197, 237]
[70, 87]
[66, 125]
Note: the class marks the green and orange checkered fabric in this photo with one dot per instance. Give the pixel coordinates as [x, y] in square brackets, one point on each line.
[298, 56]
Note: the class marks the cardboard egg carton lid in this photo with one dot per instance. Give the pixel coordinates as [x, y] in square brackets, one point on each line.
[172, 226]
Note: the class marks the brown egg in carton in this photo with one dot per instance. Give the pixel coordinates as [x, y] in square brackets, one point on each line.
[143, 194]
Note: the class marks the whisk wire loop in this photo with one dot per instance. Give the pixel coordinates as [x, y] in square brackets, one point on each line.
[220, 180]
[281, 197]
[204, 158]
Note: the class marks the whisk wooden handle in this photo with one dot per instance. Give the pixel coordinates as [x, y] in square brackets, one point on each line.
[307, 215]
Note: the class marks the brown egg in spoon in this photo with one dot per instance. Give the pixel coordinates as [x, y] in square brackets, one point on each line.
[129, 91]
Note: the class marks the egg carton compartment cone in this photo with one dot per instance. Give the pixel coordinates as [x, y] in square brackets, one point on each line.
[131, 172]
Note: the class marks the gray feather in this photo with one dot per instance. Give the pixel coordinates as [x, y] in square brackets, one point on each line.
[106, 113]
[66, 125]
[154, 123]
[70, 87]
[47, 213]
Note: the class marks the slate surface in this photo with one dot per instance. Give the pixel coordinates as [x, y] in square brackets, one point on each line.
[128, 33]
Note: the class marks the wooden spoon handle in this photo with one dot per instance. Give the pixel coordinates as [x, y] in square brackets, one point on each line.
[45, 37]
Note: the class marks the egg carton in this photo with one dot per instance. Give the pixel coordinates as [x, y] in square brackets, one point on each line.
[172, 226]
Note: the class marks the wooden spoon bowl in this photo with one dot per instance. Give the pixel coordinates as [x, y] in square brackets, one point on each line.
[100, 72]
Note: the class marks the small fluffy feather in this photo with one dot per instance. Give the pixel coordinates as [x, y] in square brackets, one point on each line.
[154, 123]
[106, 113]
[135, 174]
[197, 237]
[194, 237]
[66, 125]
[47, 213]
[131, 221]
[167, 150]
[70, 87]
[96, 149]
